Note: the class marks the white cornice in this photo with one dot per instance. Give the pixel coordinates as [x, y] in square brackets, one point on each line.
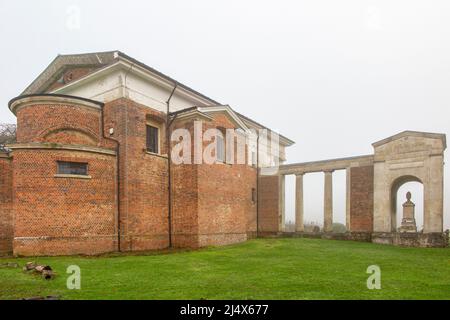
[129, 67]
[50, 100]
[193, 114]
[254, 125]
[227, 109]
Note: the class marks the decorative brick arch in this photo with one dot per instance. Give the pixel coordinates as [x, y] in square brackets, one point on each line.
[70, 134]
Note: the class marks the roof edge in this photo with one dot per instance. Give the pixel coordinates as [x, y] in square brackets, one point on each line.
[412, 133]
[14, 102]
[288, 142]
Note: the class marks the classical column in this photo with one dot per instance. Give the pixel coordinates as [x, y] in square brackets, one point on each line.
[348, 197]
[281, 208]
[328, 202]
[299, 202]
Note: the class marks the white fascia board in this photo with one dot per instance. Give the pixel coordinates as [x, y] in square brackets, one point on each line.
[130, 68]
[284, 141]
[88, 78]
[229, 111]
[193, 114]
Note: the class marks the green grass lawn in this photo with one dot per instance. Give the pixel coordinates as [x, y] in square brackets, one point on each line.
[258, 269]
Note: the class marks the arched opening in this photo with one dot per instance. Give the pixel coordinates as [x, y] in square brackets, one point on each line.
[415, 204]
[416, 190]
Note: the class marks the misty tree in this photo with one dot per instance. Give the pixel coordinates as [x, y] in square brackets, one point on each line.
[339, 228]
[7, 134]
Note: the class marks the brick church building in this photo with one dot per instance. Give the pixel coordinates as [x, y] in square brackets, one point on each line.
[91, 171]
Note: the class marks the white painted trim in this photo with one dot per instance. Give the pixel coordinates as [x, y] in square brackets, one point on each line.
[193, 113]
[72, 176]
[49, 100]
[127, 66]
[283, 140]
[227, 109]
[158, 125]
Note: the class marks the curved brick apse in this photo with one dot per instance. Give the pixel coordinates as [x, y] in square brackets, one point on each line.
[57, 211]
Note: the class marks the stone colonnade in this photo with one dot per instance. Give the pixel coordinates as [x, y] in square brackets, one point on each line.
[327, 167]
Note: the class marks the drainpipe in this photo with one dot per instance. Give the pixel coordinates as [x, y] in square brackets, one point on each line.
[257, 186]
[169, 162]
[117, 174]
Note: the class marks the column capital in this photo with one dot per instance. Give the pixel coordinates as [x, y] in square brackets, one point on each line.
[328, 171]
[299, 174]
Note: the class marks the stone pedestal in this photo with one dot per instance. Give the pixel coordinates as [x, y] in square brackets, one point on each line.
[408, 220]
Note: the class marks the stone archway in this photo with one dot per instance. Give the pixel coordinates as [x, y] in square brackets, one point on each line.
[394, 191]
[409, 156]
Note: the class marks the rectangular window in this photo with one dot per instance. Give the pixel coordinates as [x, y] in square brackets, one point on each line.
[73, 168]
[254, 195]
[220, 144]
[152, 139]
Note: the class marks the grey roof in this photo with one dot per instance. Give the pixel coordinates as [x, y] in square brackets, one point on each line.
[103, 59]
[62, 62]
[96, 59]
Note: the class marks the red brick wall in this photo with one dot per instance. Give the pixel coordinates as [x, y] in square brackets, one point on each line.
[268, 204]
[226, 211]
[185, 201]
[62, 123]
[143, 176]
[6, 216]
[57, 216]
[212, 204]
[54, 215]
[361, 199]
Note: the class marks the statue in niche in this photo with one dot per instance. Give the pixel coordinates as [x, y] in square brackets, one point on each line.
[408, 220]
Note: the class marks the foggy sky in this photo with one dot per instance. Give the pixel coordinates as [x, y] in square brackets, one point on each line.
[334, 76]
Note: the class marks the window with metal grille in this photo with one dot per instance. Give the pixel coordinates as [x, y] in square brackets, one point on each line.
[74, 168]
[152, 139]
